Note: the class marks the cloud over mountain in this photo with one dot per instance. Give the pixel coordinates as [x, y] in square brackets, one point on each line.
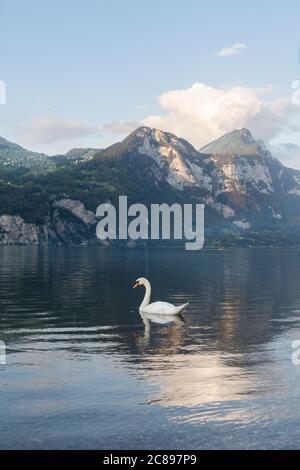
[119, 127]
[202, 113]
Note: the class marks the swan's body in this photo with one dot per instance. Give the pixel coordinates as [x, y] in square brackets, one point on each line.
[163, 308]
[160, 308]
[162, 319]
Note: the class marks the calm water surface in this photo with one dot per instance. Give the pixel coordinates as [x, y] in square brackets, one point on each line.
[85, 371]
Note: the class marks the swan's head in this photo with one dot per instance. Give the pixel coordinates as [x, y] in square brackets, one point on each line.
[141, 281]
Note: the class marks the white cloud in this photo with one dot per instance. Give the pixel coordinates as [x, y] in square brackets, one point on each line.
[232, 50]
[199, 114]
[202, 113]
[287, 152]
[48, 130]
[2, 92]
[119, 127]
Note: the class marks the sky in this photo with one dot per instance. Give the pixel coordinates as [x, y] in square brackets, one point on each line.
[85, 73]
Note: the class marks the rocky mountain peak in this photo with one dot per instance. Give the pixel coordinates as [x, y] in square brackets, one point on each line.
[150, 141]
[154, 135]
[237, 142]
[175, 160]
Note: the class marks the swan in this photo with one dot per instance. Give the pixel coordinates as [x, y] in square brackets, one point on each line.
[160, 308]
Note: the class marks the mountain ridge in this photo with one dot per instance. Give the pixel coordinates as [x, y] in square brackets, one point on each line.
[244, 188]
[7, 144]
[236, 142]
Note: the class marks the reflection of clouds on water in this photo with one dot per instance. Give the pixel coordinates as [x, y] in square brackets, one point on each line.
[204, 387]
[192, 380]
[223, 381]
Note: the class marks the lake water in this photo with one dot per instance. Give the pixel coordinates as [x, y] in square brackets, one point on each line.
[84, 371]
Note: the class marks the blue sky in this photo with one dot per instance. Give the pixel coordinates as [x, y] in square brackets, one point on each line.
[83, 73]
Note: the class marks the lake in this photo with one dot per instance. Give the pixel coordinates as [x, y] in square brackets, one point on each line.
[85, 371]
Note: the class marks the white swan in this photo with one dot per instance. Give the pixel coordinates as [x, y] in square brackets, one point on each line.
[161, 308]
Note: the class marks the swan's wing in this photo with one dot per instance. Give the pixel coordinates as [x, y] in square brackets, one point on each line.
[180, 308]
[163, 308]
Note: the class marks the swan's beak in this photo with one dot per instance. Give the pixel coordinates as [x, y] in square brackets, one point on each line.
[136, 284]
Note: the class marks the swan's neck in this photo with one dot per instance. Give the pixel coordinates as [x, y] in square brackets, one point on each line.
[147, 297]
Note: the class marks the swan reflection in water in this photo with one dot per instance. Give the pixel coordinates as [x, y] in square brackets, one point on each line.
[160, 319]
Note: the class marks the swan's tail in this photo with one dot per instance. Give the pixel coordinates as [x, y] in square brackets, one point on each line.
[180, 308]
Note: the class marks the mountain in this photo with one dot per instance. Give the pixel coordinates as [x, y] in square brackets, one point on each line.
[168, 159]
[237, 142]
[252, 183]
[16, 160]
[13, 156]
[250, 197]
[81, 154]
[76, 155]
[5, 144]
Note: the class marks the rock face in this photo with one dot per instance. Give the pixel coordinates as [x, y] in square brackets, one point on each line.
[176, 161]
[180, 164]
[68, 223]
[14, 231]
[77, 208]
[253, 183]
[244, 164]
